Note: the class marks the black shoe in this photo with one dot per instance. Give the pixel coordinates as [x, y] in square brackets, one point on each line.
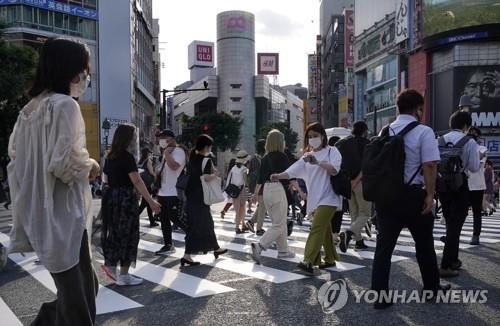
[443, 239]
[219, 252]
[249, 225]
[443, 288]
[306, 267]
[360, 245]
[6, 206]
[238, 231]
[327, 265]
[447, 272]
[152, 225]
[345, 238]
[165, 251]
[289, 228]
[260, 232]
[456, 265]
[188, 262]
[222, 214]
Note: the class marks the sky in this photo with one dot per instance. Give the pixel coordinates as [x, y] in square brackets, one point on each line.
[285, 26]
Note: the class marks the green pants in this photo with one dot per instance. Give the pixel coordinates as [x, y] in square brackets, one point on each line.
[320, 236]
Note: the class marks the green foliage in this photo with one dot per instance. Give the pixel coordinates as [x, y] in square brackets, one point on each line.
[291, 137]
[18, 64]
[222, 127]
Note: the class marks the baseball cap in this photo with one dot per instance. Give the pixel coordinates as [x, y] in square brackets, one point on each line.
[166, 133]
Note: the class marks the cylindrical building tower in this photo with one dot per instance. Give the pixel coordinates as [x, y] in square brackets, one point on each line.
[236, 70]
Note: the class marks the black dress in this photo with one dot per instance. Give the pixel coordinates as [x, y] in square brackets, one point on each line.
[120, 212]
[200, 235]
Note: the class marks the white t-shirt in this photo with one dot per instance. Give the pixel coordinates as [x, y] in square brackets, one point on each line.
[236, 175]
[169, 176]
[319, 188]
[476, 180]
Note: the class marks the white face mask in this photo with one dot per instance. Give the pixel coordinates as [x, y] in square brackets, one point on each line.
[77, 89]
[163, 143]
[315, 142]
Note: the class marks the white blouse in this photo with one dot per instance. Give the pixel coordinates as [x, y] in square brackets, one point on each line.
[48, 178]
[319, 188]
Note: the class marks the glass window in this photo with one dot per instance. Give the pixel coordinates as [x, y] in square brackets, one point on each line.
[73, 23]
[43, 17]
[58, 20]
[27, 14]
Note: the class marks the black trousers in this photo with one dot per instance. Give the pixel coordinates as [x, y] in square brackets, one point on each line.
[76, 292]
[391, 220]
[476, 201]
[171, 208]
[144, 204]
[455, 209]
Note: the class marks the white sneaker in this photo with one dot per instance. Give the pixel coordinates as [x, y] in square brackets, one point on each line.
[256, 250]
[3, 258]
[127, 279]
[288, 254]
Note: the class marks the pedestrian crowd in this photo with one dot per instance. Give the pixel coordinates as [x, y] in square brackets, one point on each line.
[395, 180]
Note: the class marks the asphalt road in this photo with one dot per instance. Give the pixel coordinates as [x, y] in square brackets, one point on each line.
[235, 291]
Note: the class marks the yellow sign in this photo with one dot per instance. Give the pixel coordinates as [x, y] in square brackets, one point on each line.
[91, 118]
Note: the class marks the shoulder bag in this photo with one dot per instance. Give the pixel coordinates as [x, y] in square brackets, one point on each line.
[212, 192]
[232, 190]
[341, 182]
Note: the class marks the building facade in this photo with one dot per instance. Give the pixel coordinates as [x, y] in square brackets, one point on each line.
[129, 84]
[32, 23]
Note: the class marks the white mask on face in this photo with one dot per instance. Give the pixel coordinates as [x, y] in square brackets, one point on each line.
[163, 143]
[77, 89]
[315, 142]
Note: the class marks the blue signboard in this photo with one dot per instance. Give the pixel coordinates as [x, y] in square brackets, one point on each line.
[360, 98]
[463, 37]
[55, 6]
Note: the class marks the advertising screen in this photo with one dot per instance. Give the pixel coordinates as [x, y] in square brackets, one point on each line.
[268, 64]
[444, 15]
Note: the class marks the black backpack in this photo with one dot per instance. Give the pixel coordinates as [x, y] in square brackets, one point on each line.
[451, 175]
[383, 167]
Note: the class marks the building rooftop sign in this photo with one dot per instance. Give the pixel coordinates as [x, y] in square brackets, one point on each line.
[55, 6]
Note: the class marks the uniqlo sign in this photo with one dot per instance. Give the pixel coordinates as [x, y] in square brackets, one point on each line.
[203, 53]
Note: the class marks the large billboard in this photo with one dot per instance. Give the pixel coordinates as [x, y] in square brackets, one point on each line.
[268, 63]
[200, 54]
[444, 15]
[482, 84]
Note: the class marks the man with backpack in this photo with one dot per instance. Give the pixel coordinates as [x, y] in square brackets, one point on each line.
[459, 153]
[399, 176]
[169, 169]
[352, 149]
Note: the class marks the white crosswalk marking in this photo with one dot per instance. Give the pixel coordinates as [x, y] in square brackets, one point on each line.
[107, 300]
[8, 317]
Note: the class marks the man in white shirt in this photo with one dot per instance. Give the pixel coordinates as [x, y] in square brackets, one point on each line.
[169, 169]
[456, 204]
[414, 209]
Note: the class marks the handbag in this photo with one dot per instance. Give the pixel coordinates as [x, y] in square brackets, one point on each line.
[232, 190]
[157, 183]
[147, 177]
[341, 182]
[212, 192]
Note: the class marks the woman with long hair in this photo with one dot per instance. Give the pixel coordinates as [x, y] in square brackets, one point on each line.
[120, 218]
[48, 176]
[148, 177]
[275, 161]
[200, 234]
[319, 162]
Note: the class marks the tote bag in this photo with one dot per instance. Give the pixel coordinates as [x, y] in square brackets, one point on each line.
[212, 192]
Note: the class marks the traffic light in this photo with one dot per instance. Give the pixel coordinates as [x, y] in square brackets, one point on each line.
[204, 128]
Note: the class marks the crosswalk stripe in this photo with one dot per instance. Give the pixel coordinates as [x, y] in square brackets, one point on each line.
[8, 316]
[233, 265]
[192, 286]
[437, 243]
[271, 253]
[291, 243]
[107, 300]
[462, 237]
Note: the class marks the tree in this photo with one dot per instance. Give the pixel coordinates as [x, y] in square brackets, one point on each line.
[224, 128]
[291, 137]
[18, 64]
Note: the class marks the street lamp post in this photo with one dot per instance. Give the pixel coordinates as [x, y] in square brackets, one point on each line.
[106, 125]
